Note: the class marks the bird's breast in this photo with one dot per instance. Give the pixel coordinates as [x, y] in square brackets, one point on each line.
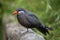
[22, 20]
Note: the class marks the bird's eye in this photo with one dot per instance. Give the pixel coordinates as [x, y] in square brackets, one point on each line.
[21, 12]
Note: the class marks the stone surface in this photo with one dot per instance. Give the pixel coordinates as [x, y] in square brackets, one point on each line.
[14, 31]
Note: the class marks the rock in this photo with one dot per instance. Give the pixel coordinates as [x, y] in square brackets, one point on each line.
[31, 36]
[14, 31]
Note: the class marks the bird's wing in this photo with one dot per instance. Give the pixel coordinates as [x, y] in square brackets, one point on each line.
[32, 19]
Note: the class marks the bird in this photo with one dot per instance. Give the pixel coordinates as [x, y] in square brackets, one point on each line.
[29, 20]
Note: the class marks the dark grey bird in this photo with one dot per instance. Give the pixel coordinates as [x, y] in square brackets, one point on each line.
[29, 20]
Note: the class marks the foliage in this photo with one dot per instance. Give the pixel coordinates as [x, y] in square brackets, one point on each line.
[47, 10]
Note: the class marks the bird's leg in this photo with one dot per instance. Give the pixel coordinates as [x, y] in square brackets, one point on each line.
[27, 29]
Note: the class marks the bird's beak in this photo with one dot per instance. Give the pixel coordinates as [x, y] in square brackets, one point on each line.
[15, 12]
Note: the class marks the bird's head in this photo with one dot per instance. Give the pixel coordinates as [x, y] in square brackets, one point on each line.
[18, 11]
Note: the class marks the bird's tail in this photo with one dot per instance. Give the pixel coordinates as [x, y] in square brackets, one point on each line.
[42, 29]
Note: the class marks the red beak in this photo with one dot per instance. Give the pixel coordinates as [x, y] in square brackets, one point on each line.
[15, 12]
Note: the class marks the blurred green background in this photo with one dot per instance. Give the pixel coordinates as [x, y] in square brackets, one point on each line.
[47, 10]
